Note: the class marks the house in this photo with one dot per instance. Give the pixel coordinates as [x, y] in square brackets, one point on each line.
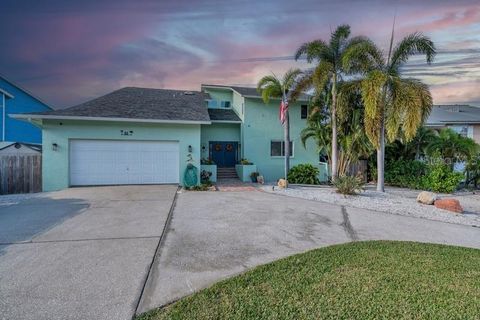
[463, 119]
[18, 148]
[15, 99]
[149, 136]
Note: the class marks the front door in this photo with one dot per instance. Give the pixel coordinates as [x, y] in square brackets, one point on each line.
[224, 153]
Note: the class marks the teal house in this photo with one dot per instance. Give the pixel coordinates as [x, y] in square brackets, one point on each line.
[15, 99]
[150, 136]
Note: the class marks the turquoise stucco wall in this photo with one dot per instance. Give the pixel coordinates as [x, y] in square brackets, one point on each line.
[220, 94]
[218, 132]
[261, 125]
[227, 94]
[56, 163]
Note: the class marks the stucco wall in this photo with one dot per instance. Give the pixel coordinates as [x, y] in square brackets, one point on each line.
[56, 163]
[261, 126]
[218, 132]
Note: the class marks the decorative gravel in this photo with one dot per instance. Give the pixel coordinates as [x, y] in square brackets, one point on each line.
[394, 200]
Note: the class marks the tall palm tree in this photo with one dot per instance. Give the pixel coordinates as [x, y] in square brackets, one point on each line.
[352, 142]
[273, 87]
[394, 105]
[328, 73]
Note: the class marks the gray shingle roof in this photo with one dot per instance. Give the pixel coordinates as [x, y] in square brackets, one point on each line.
[142, 103]
[251, 92]
[446, 114]
[223, 115]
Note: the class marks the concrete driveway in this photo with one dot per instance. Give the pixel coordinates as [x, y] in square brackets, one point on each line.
[81, 253]
[214, 235]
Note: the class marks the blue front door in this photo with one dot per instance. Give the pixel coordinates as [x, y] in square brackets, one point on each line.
[224, 153]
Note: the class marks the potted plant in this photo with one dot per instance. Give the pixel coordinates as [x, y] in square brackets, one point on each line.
[245, 162]
[254, 176]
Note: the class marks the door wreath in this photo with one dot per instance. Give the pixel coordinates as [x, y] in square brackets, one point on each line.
[229, 147]
[218, 147]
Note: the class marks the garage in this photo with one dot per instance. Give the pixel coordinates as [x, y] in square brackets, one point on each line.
[116, 162]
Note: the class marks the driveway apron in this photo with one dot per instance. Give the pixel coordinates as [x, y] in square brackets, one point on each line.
[80, 253]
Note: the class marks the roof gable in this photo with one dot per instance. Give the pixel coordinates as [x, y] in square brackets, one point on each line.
[25, 91]
[140, 104]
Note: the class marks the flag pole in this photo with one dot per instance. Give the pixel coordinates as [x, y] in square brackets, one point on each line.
[286, 125]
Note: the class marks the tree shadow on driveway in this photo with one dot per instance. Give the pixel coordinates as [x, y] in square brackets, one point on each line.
[22, 221]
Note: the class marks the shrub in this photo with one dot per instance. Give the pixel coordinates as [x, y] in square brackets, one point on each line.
[205, 177]
[348, 185]
[441, 178]
[303, 174]
[405, 173]
[207, 161]
[245, 162]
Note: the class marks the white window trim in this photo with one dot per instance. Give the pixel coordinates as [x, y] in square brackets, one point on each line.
[276, 157]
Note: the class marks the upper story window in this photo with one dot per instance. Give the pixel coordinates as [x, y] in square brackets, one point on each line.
[304, 111]
[221, 104]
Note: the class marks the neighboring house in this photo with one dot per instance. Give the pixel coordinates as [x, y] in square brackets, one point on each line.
[17, 148]
[143, 136]
[14, 99]
[464, 119]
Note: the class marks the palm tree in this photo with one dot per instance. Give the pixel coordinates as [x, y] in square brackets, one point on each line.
[327, 73]
[394, 105]
[453, 146]
[352, 142]
[273, 87]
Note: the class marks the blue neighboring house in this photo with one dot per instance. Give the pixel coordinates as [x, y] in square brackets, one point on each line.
[15, 99]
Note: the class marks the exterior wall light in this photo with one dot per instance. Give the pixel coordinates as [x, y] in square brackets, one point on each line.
[54, 146]
[190, 148]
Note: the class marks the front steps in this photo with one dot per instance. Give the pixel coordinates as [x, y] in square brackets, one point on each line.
[226, 173]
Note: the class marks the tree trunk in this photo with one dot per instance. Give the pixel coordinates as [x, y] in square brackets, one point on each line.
[381, 157]
[287, 146]
[334, 129]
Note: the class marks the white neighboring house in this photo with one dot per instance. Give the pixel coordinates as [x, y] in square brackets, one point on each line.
[463, 119]
[18, 148]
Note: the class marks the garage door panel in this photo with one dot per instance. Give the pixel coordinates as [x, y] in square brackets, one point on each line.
[103, 162]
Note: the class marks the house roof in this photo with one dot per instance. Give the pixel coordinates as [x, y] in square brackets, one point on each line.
[451, 114]
[250, 92]
[227, 115]
[26, 91]
[140, 104]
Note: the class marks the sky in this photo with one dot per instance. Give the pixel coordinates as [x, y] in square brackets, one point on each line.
[67, 52]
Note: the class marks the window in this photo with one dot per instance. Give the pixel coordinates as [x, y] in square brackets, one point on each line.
[304, 111]
[225, 104]
[212, 104]
[277, 149]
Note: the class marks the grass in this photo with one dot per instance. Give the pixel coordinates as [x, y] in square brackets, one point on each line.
[362, 280]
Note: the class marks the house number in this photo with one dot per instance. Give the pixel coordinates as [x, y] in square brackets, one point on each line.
[126, 132]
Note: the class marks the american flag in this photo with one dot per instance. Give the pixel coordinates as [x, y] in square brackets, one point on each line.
[283, 109]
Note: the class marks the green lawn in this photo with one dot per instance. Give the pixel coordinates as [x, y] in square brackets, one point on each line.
[363, 280]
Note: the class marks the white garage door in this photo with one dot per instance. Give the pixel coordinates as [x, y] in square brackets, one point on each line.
[106, 162]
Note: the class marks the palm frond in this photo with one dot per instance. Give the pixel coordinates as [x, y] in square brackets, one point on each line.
[303, 83]
[415, 43]
[314, 51]
[338, 38]
[372, 89]
[362, 56]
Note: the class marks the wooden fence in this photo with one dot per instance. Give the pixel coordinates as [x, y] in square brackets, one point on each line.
[20, 173]
[359, 168]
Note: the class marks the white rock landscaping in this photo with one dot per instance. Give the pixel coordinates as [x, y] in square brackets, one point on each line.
[394, 200]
